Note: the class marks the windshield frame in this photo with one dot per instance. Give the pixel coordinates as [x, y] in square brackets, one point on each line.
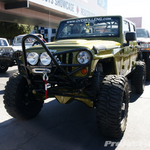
[18, 40]
[89, 21]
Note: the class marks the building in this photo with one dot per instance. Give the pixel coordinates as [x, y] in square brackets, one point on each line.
[70, 9]
[139, 22]
[48, 13]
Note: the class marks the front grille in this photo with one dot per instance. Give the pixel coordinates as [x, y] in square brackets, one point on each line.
[70, 61]
[59, 61]
[66, 58]
[7, 51]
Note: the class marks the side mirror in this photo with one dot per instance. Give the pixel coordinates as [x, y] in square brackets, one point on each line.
[130, 36]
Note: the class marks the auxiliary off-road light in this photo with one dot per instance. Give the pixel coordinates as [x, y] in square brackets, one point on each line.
[83, 57]
[11, 51]
[32, 58]
[45, 59]
[2, 51]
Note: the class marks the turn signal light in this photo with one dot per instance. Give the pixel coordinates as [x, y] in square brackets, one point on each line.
[84, 71]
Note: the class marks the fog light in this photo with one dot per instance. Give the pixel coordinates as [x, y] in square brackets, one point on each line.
[84, 71]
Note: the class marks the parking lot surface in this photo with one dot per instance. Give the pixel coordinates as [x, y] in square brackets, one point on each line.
[72, 126]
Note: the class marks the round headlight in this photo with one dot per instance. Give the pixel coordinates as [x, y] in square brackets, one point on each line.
[2, 51]
[11, 51]
[45, 59]
[83, 57]
[32, 58]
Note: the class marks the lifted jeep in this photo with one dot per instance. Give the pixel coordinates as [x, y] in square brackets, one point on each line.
[89, 61]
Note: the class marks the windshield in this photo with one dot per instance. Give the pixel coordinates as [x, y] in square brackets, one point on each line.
[18, 40]
[3, 43]
[142, 33]
[89, 27]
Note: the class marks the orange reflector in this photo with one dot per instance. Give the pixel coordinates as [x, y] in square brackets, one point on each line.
[84, 71]
[145, 48]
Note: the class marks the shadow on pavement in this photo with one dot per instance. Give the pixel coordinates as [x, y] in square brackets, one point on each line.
[134, 97]
[57, 127]
[1, 92]
[147, 83]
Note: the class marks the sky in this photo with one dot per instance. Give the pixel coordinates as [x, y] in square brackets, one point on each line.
[131, 8]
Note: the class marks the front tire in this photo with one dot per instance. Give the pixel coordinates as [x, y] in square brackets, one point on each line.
[3, 69]
[112, 106]
[19, 102]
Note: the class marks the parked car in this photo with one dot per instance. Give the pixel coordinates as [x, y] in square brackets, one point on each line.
[143, 38]
[17, 45]
[89, 61]
[6, 55]
[9, 58]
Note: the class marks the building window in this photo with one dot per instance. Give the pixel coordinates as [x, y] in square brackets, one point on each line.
[53, 31]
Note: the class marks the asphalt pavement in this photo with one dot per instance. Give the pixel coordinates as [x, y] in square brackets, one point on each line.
[72, 126]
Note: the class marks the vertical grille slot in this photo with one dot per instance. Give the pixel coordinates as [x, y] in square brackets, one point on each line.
[58, 57]
[70, 61]
[64, 60]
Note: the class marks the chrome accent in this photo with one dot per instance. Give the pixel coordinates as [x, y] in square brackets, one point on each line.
[45, 59]
[52, 51]
[41, 70]
[33, 58]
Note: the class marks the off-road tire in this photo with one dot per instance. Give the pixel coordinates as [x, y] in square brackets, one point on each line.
[3, 69]
[18, 101]
[138, 77]
[112, 106]
[147, 61]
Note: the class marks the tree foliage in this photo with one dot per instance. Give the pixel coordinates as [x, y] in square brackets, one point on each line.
[10, 30]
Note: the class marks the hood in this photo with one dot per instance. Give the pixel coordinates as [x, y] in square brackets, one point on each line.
[144, 40]
[5, 47]
[98, 44]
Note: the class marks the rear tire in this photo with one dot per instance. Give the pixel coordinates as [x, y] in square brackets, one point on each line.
[147, 61]
[112, 106]
[139, 77]
[18, 101]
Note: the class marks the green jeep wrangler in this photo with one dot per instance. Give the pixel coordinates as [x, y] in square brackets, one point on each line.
[90, 61]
